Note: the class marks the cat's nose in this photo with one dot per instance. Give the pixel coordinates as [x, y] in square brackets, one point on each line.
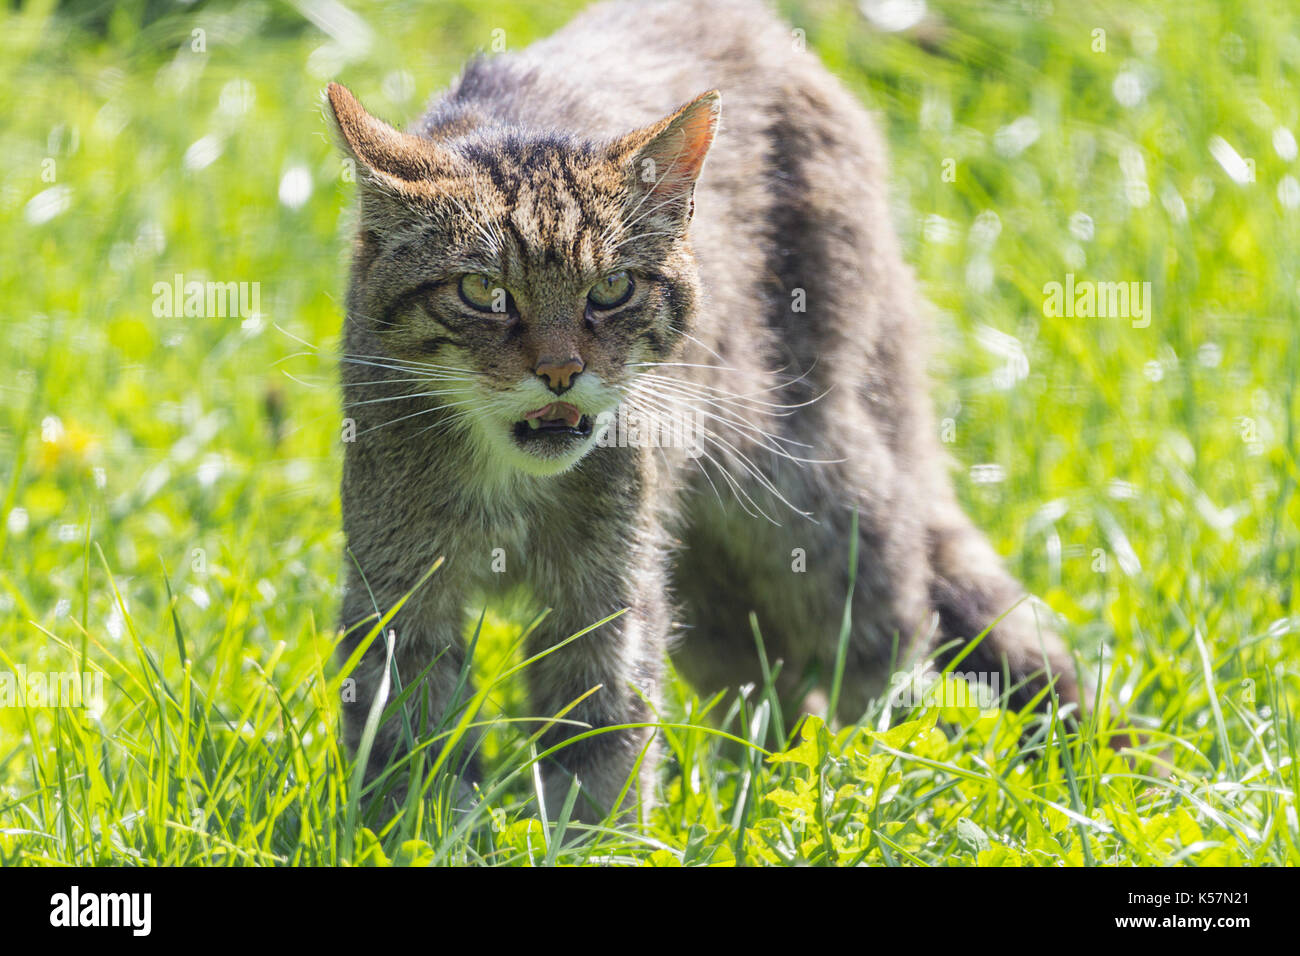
[559, 374]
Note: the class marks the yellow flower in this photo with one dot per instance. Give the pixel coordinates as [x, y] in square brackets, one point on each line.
[65, 445]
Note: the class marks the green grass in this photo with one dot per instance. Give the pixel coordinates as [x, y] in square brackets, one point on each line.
[168, 486]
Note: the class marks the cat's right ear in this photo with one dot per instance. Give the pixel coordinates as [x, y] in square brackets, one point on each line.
[667, 157]
[396, 161]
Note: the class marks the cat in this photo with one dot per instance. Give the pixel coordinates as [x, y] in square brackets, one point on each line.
[578, 242]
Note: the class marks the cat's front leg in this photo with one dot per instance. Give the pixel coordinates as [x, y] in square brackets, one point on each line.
[613, 673]
[427, 646]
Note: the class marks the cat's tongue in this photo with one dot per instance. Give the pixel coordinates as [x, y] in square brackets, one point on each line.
[557, 410]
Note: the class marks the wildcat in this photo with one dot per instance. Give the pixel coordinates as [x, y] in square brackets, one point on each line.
[579, 228]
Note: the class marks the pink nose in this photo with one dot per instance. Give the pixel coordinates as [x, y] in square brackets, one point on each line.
[559, 375]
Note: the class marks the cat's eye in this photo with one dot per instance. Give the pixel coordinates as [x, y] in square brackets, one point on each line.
[481, 292]
[611, 291]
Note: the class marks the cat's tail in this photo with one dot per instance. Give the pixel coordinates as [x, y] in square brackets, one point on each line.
[971, 590]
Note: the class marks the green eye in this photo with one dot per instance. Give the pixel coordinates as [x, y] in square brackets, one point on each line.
[611, 291]
[481, 292]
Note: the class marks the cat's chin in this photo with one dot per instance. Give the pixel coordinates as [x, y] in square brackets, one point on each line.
[538, 466]
[539, 453]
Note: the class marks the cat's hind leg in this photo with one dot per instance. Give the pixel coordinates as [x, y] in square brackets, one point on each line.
[970, 590]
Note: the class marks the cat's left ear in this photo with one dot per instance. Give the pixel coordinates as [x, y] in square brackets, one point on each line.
[666, 158]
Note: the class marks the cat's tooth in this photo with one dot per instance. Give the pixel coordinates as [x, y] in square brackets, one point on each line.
[534, 423]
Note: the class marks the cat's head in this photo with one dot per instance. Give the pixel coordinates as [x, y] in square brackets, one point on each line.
[526, 277]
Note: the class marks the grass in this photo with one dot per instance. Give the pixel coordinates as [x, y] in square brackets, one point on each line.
[168, 486]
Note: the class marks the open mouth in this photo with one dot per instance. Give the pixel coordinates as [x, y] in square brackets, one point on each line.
[551, 422]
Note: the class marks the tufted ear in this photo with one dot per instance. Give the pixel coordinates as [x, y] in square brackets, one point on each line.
[399, 161]
[666, 158]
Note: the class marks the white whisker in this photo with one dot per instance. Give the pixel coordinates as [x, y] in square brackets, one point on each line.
[740, 458]
[765, 439]
[423, 411]
[396, 398]
[703, 346]
[722, 395]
